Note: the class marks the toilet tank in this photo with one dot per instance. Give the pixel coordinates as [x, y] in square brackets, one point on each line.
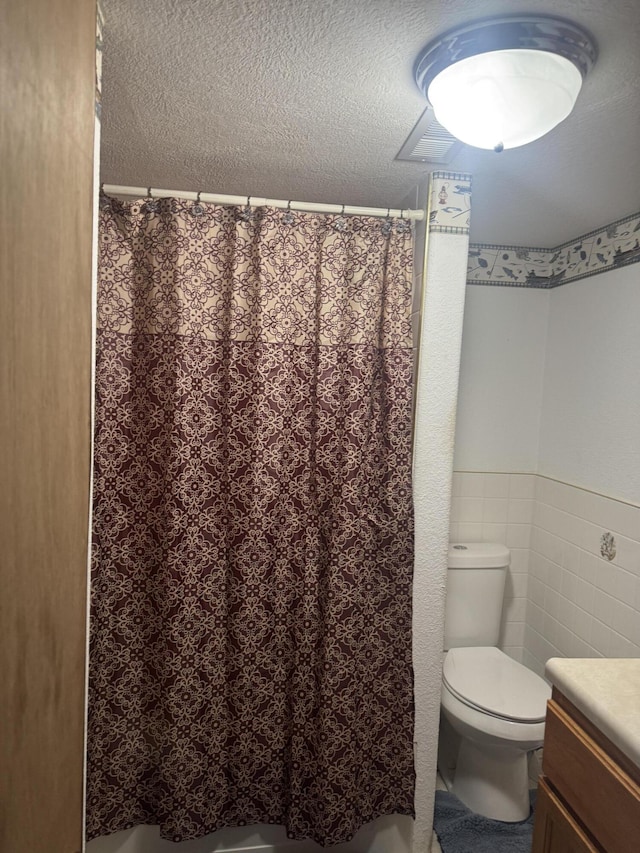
[475, 589]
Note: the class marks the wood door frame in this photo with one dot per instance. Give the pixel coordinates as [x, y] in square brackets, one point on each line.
[47, 90]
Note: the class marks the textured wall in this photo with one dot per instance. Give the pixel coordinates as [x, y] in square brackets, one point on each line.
[437, 387]
[313, 100]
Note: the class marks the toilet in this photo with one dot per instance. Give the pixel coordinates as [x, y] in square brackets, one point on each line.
[493, 708]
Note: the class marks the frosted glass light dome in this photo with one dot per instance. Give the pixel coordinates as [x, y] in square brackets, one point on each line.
[505, 98]
[502, 82]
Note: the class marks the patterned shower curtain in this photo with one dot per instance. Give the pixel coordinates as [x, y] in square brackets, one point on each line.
[250, 654]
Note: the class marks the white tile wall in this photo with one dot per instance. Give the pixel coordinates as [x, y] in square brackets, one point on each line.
[499, 508]
[562, 599]
[580, 604]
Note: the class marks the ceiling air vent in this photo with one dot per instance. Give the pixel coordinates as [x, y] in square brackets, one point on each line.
[429, 142]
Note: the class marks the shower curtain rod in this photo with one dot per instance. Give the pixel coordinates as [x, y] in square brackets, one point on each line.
[256, 201]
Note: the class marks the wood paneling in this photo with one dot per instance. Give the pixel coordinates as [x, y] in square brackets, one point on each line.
[623, 761]
[556, 830]
[586, 777]
[46, 162]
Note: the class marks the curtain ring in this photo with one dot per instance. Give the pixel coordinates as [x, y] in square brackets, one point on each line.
[404, 225]
[340, 223]
[288, 217]
[196, 208]
[151, 204]
[246, 212]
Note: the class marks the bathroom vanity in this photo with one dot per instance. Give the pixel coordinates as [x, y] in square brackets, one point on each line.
[589, 792]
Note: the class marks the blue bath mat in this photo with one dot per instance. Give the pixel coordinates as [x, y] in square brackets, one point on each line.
[460, 830]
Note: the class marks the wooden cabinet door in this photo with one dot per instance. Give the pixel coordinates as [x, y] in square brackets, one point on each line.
[555, 829]
[588, 774]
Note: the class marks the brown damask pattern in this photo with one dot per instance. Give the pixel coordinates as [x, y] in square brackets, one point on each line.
[253, 532]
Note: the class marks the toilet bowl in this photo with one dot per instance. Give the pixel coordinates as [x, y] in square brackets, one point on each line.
[497, 707]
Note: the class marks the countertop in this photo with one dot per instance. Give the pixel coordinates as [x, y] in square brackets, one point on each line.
[607, 691]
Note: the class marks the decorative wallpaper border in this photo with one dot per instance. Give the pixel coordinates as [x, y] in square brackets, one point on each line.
[450, 205]
[612, 246]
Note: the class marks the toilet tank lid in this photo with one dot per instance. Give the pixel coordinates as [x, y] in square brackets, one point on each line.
[478, 555]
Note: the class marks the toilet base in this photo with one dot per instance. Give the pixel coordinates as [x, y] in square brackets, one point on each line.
[448, 748]
[492, 781]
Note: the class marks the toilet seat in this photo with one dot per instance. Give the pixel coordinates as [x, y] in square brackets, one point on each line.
[480, 727]
[489, 682]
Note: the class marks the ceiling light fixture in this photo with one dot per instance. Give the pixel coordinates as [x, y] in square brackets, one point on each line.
[503, 82]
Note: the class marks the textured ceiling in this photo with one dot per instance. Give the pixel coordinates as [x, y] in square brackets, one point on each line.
[312, 100]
